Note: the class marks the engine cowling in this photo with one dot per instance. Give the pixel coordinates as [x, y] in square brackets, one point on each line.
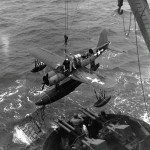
[56, 79]
[52, 78]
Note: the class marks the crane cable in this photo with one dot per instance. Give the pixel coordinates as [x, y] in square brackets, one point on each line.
[142, 86]
[66, 17]
[66, 26]
[75, 12]
[88, 21]
[89, 40]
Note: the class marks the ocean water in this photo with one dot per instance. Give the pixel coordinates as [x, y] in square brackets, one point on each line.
[34, 24]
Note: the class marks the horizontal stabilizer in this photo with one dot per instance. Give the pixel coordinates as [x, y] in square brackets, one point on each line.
[104, 46]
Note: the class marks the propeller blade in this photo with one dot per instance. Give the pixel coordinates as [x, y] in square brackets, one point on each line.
[46, 76]
[44, 71]
[45, 79]
[43, 86]
[35, 62]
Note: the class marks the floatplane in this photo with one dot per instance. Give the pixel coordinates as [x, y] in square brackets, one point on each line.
[89, 129]
[106, 131]
[67, 74]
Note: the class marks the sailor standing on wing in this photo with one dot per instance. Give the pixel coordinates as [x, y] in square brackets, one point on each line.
[66, 63]
[91, 53]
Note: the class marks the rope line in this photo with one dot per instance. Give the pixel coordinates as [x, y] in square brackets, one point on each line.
[88, 21]
[67, 16]
[142, 86]
[143, 11]
[66, 27]
[127, 32]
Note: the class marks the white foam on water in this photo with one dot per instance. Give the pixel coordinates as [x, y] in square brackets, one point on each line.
[28, 99]
[2, 96]
[146, 118]
[54, 126]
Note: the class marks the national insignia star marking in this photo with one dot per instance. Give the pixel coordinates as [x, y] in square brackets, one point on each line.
[95, 80]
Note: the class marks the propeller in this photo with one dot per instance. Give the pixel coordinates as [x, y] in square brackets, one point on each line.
[45, 81]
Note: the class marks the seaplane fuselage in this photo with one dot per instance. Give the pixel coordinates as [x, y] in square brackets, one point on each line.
[55, 76]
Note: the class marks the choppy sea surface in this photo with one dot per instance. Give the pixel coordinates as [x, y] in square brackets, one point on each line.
[29, 24]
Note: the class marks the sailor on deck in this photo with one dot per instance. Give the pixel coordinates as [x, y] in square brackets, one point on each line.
[76, 120]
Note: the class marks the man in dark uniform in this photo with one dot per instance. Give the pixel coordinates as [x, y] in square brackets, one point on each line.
[76, 120]
[92, 63]
[66, 39]
[66, 63]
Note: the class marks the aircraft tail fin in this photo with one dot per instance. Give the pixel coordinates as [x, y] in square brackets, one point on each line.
[102, 38]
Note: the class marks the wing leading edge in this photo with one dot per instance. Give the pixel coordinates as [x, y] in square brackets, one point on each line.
[49, 58]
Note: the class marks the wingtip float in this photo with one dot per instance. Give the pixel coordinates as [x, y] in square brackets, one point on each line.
[102, 102]
[38, 66]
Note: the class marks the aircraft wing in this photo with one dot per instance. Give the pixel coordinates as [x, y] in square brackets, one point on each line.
[49, 58]
[91, 78]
